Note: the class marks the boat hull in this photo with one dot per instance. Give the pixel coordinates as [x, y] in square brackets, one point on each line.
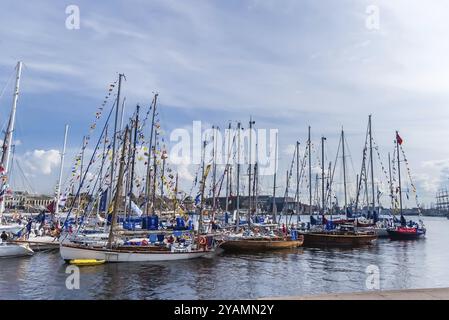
[260, 245]
[14, 250]
[313, 239]
[73, 252]
[39, 245]
[380, 232]
[397, 235]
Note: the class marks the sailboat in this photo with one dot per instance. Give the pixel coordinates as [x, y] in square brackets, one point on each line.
[36, 238]
[10, 249]
[156, 245]
[256, 238]
[404, 231]
[329, 235]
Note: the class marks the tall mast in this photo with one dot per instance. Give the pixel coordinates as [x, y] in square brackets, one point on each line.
[274, 178]
[150, 149]
[175, 199]
[154, 175]
[122, 115]
[9, 131]
[101, 170]
[250, 164]
[372, 164]
[163, 156]
[214, 169]
[287, 186]
[228, 167]
[297, 178]
[329, 182]
[61, 168]
[357, 193]
[323, 200]
[309, 146]
[390, 182]
[255, 184]
[118, 190]
[238, 177]
[230, 184]
[114, 135]
[131, 180]
[399, 173]
[203, 187]
[83, 149]
[344, 168]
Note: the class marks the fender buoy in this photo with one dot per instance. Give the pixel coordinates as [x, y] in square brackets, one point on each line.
[203, 241]
[144, 242]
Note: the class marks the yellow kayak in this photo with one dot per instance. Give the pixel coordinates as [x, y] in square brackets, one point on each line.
[87, 262]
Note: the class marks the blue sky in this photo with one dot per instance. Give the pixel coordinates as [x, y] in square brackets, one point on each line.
[287, 63]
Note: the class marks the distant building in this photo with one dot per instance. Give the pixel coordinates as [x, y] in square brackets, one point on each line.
[264, 204]
[22, 200]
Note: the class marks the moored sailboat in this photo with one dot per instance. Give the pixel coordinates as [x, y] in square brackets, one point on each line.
[404, 231]
[254, 239]
[327, 234]
[118, 248]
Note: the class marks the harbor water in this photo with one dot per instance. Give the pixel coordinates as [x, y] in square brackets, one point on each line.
[303, 271]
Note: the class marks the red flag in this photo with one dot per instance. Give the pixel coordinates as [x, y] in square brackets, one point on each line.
[51, 207]
[399, 139]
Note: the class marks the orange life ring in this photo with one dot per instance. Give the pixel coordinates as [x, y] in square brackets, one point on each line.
[203, 241]
[144, 242]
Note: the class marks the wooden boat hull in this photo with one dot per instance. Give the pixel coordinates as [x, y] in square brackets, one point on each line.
[14, 250]
[73, 252]
[318, 239]
[260, 245]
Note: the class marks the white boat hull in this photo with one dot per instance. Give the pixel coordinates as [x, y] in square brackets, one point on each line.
[71, 253]
[14, 250]
[381, 232]
[11, 228]
[40, 243]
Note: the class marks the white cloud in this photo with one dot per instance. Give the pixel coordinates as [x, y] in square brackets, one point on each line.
[41, 161]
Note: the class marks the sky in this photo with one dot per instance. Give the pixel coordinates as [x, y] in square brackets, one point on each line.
[288, 64]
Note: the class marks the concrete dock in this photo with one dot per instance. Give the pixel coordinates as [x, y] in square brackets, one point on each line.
[409, 294]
